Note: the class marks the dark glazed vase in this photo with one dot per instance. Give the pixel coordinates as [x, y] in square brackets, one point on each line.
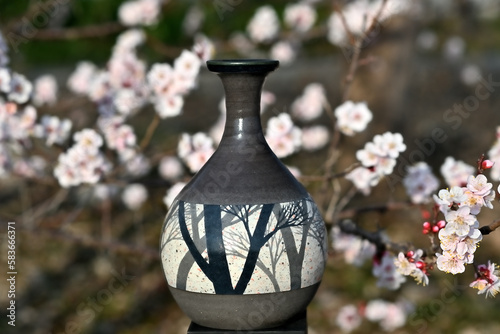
[243, 245]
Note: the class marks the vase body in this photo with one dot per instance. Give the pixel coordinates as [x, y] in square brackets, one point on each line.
[243, 245]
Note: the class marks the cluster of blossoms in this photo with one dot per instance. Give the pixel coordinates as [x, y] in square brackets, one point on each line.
[358, 15]
[412, 264]
[126, 86]
[264, 28]
[378, 158]
[83, 162]
[487, 279]
[459, 238]
[18, 119]
[389, 315]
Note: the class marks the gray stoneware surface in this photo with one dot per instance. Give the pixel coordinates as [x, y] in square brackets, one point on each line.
[243, 246]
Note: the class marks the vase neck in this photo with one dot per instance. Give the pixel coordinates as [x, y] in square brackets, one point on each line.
[243, 93]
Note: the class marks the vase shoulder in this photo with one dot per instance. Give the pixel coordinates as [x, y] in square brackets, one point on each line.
[243, 174]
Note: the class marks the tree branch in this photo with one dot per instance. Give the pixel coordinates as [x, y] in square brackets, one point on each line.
[487, 229]
[90, 31]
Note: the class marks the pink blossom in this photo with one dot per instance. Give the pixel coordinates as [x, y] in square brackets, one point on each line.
[203, 47]
[139, 12]
[446, 198]
[460, 221]
[187, 65]
[348, 318]
[390, 143]
[264, 25]
[456, 172]
[364, 179]
[284, 52]
[315, 137]
[81, 79]
[310, 104]
[300, 16]
[282, 135]
[487, 279]
[172, 193]
[403, 264]
[170, 168]
[420, 182]
[129, 40]
[169, 106]
[136, 164]
[395, 318]
[4, 80]
[352, 117]
[450, 262]
[385, 271]
[134, 196]
[20, 89]
[355, 250]
[53, 129]
[195, 150]
[159, 77]
[479, 185]
[77, 166]
[89, 140]
[45, 90]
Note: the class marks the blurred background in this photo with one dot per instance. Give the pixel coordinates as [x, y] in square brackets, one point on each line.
[91, 265]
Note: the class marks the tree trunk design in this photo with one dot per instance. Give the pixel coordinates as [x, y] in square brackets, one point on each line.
[243, 249]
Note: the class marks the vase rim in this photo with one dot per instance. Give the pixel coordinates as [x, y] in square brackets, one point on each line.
[242, 65]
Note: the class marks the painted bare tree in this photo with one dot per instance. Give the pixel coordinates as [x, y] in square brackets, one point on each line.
[211, 256]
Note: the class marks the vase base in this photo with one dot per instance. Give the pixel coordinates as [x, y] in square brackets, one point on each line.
[295, 325]
[244, 312]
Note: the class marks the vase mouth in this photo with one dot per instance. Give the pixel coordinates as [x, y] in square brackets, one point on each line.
[242, 65]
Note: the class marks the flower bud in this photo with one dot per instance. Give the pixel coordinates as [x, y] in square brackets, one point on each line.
[441, 224]
[487, 164]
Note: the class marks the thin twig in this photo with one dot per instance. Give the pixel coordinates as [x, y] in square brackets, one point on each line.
[487, 229]
[149, 132]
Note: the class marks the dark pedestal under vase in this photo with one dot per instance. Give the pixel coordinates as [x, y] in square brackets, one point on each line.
[295, 325]
[243, 246]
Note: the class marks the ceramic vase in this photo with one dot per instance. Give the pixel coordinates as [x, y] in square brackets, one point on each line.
[243, 245]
